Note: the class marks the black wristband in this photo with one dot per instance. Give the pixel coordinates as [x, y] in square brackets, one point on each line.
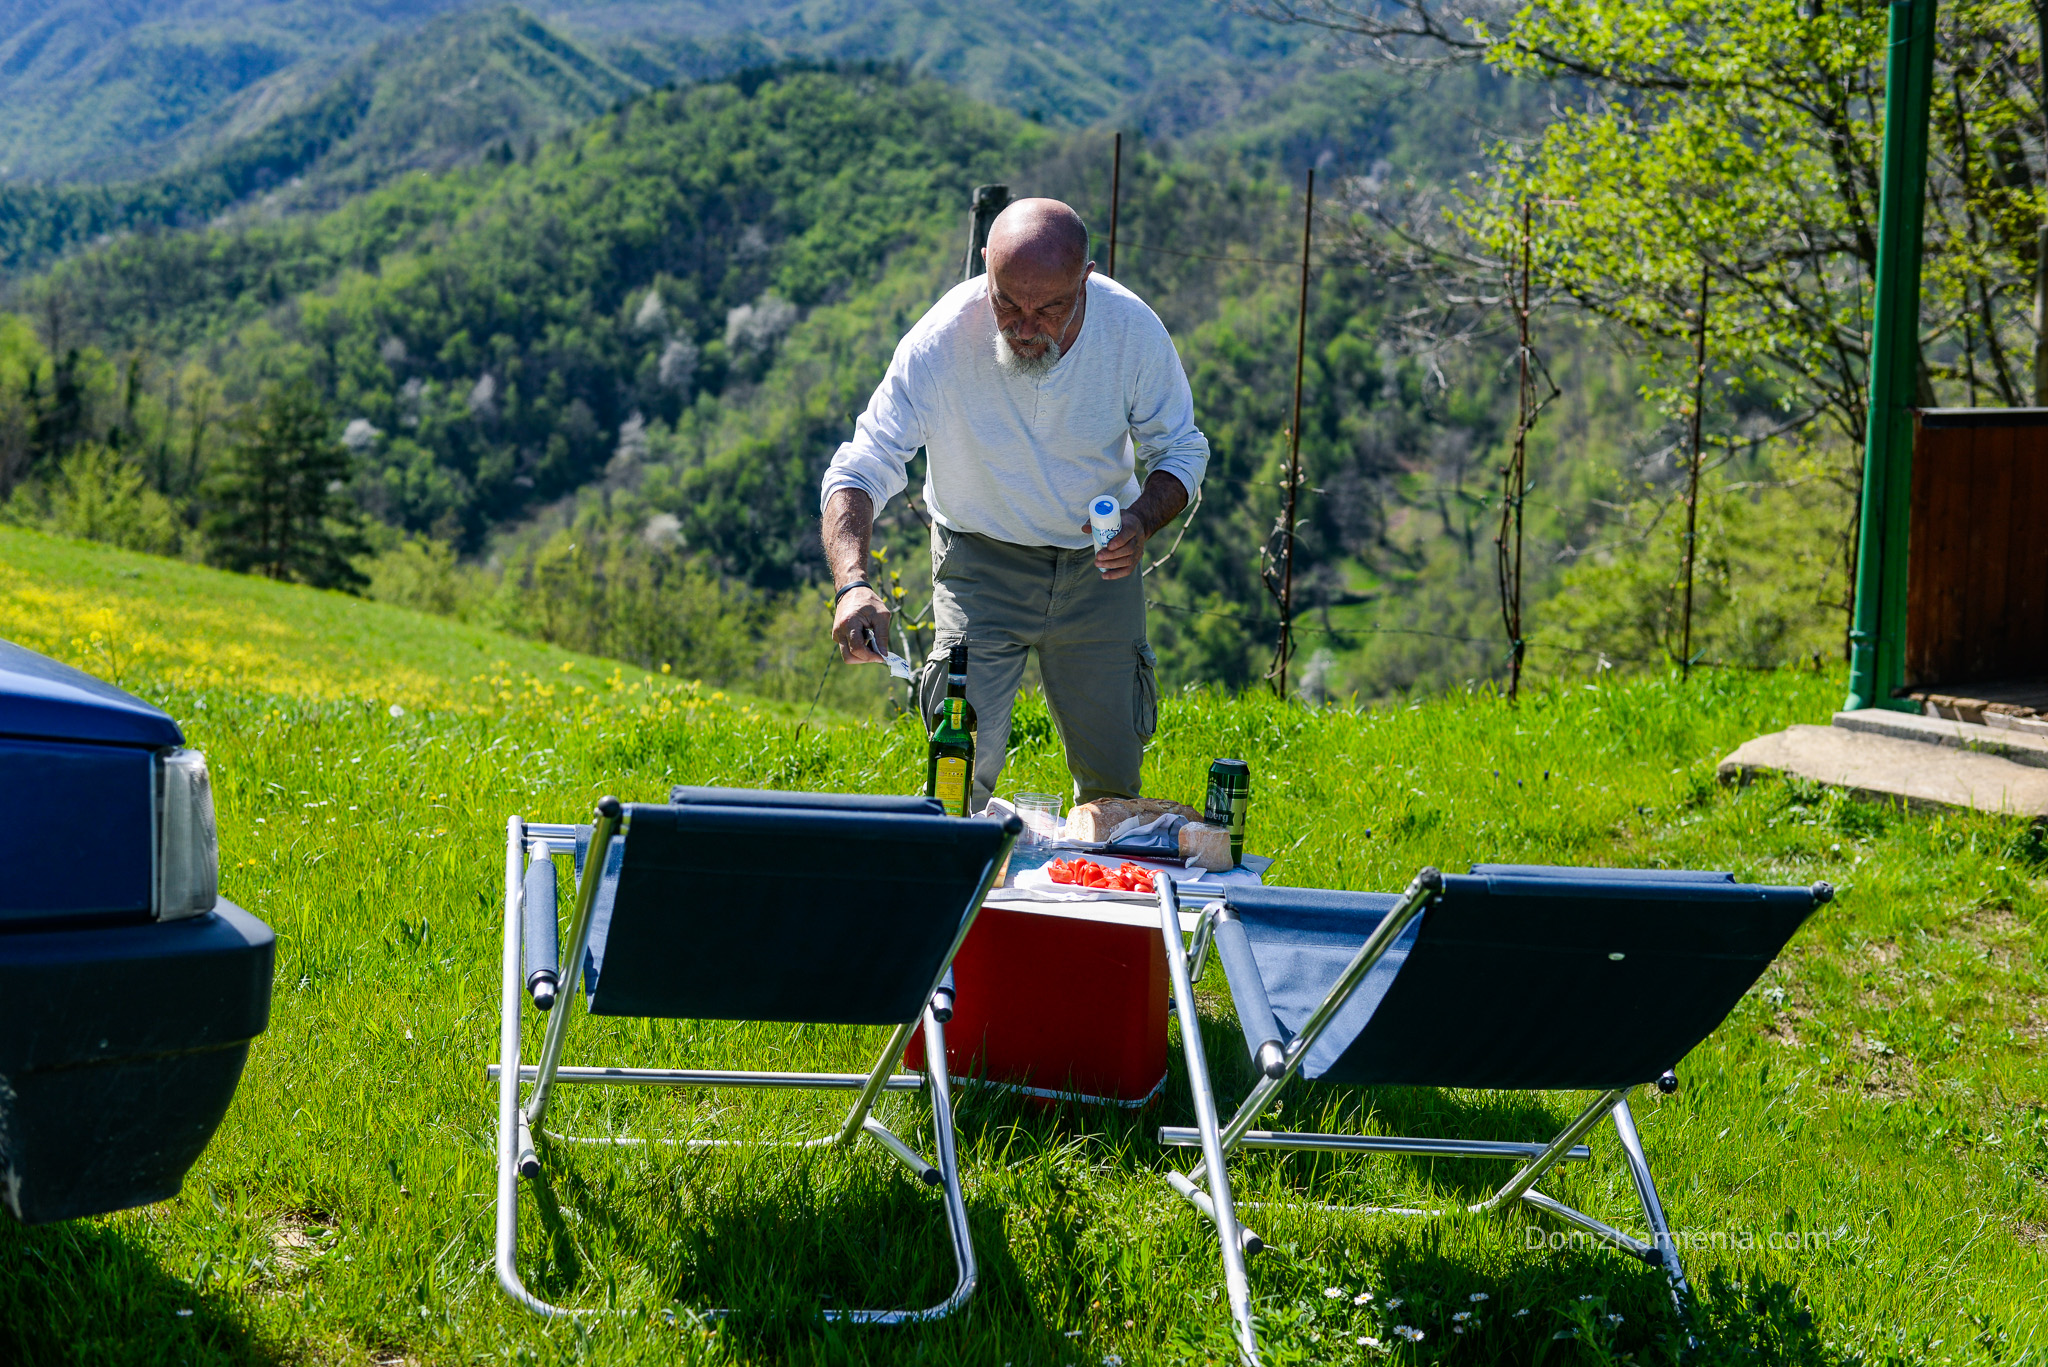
[849, 588]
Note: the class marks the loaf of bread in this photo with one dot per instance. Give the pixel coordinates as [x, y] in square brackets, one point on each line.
[1093, 821]
[1206, 847]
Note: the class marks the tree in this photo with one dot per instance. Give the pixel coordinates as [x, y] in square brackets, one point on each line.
[1747, 138]
[1700, 148]
[278, 506]
[99, 496]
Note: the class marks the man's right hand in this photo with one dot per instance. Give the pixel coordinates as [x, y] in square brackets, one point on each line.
[859, 613]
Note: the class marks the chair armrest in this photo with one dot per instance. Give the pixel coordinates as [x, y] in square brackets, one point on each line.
[541, 930]
[1254, 1011]
[1198, 949]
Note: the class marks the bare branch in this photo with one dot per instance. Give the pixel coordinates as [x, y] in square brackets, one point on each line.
[1407, 33]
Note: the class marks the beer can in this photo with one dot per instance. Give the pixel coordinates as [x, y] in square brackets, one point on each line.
[1230, 792]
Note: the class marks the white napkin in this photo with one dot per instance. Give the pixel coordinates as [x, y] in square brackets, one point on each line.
[1160, 834]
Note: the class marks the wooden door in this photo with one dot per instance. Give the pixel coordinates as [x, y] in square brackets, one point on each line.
[1977, 563]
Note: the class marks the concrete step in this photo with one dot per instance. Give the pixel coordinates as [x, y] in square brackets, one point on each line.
[2027, 726]
[1882, 766]
[2019, 703]
[2019, 746]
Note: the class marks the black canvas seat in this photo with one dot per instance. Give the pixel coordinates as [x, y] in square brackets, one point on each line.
[830, 945]
[732, 904]
[1515, 977]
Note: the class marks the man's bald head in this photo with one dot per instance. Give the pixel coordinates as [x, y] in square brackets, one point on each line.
[1038, 270]
[1038, 236]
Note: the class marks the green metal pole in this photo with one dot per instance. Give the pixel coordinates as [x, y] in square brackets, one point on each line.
[1877, 655]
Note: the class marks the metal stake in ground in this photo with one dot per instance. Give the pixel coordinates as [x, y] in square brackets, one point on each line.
[2041, 237]
[986, 202]
[1285, 649]
[1116, 185]
[1692, 487]
[1515, 478]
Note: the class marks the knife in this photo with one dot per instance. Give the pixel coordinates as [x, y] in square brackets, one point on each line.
[898, 666]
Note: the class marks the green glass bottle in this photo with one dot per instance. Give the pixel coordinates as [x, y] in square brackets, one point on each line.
[949, 766]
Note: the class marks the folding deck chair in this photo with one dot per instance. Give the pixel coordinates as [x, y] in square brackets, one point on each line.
[732, 904]
[1517, 977]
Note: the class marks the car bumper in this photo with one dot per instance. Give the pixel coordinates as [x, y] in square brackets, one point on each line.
[120, 1049]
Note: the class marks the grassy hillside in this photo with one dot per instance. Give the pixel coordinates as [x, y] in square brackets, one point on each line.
[151, 624]
[1883, 1093]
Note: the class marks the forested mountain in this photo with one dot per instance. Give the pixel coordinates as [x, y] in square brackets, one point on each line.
[499, 329]
[613, 369]
[1163, 68]
[96, 92]
[585, 383]
[485, 82]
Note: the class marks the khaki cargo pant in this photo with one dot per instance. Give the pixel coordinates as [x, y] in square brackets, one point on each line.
[1089, 633]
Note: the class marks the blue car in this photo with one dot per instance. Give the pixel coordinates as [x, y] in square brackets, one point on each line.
[129, 988]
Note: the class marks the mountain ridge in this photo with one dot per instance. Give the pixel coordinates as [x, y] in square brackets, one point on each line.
[92, 93]
[98, 90]
[461, 86]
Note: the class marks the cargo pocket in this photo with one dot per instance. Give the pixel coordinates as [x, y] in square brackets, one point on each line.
[931, 679]
[1145, 695]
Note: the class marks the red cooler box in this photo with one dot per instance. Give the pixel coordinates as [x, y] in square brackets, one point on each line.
[1065, 1001]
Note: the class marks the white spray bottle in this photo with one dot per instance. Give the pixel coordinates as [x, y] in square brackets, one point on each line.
[1105, 520]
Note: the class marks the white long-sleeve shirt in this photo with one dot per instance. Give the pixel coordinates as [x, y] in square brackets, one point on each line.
[1019, 457]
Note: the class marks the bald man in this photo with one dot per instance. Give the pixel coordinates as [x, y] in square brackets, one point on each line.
[1033, 389]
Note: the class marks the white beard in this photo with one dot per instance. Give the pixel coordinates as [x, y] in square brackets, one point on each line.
[1011, 362]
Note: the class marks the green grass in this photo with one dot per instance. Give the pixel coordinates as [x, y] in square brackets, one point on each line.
[148, 623]
[1881, 1092]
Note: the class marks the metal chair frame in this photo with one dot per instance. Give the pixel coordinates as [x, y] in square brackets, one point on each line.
[519, 1121]
[1207, 1185]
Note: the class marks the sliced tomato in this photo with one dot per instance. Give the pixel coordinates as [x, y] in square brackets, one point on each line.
[1086, 873]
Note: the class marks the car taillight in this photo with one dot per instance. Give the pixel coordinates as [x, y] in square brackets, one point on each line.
[187, 853]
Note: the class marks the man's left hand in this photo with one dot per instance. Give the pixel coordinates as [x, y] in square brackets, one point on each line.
[1120, 556]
